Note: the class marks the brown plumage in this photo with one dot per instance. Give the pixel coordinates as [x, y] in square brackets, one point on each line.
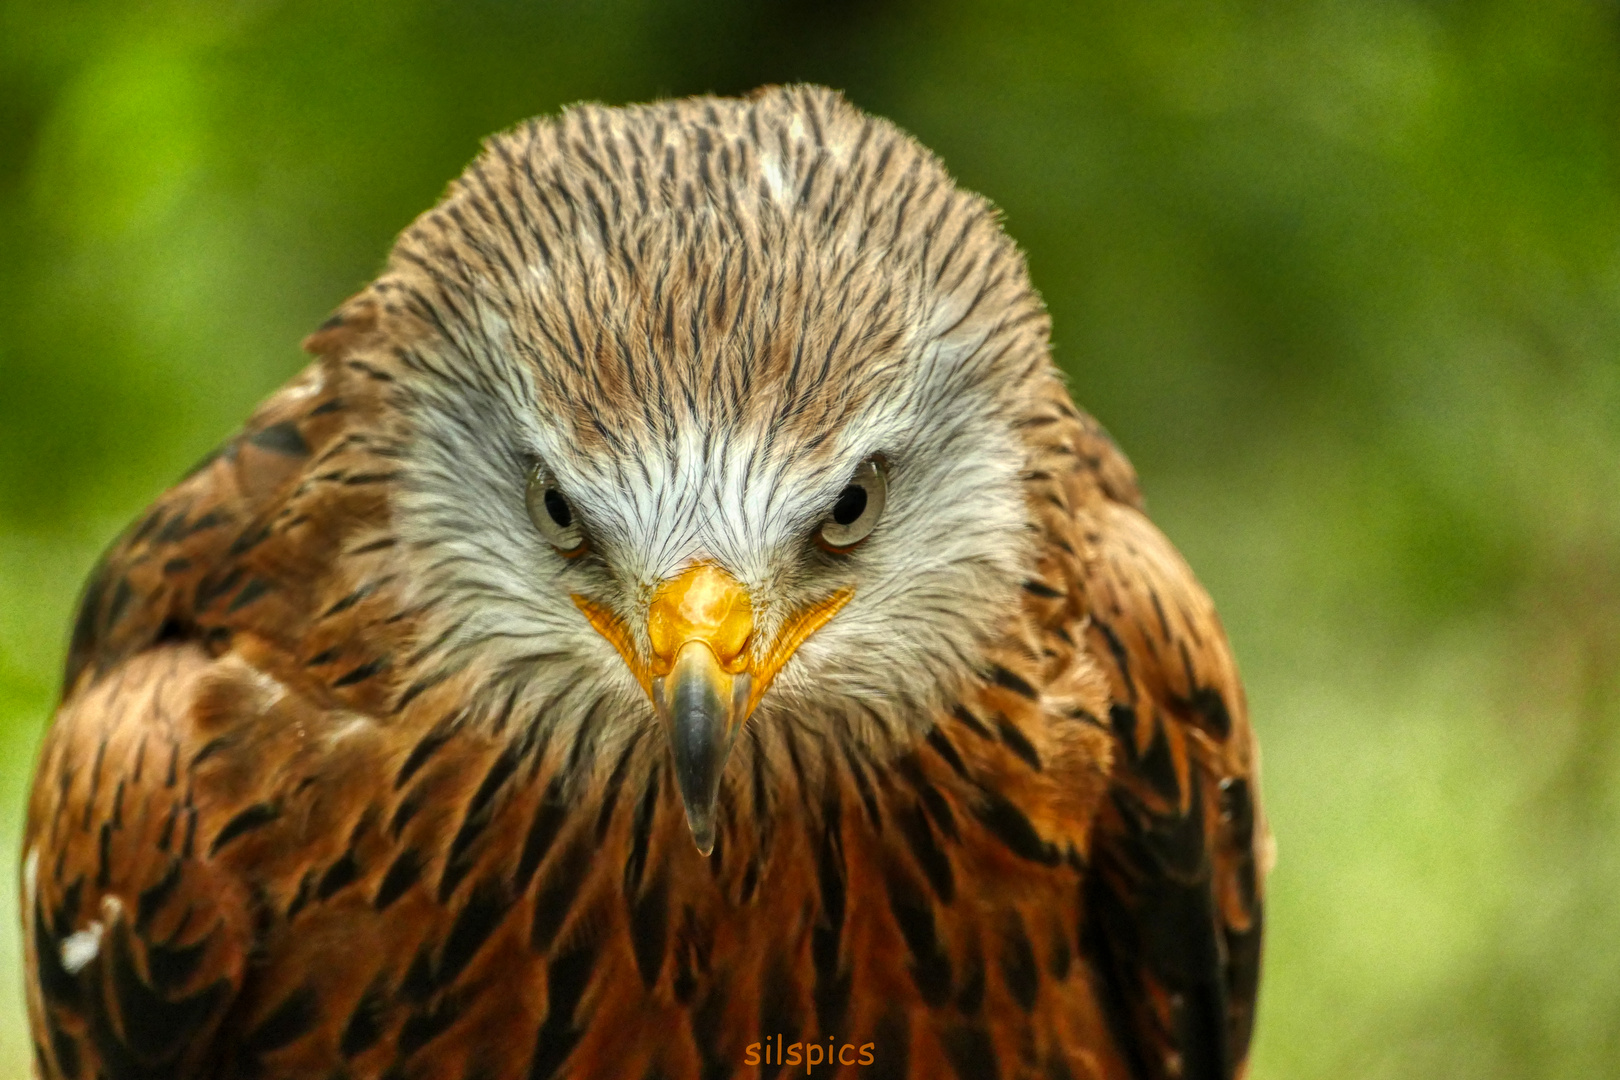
[345, 784]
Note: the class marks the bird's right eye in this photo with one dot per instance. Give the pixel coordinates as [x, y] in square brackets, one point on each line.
[553, 514]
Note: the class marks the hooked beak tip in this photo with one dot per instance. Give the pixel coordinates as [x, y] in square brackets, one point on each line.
[702, 832]
[702, 707]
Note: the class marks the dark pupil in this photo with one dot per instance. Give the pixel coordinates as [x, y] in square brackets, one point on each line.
[850, 506]
[557, 507]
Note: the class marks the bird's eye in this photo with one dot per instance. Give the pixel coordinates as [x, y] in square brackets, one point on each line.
[855, 513]
[552, 514]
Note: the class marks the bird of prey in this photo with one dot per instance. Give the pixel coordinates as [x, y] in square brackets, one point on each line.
[677, 626]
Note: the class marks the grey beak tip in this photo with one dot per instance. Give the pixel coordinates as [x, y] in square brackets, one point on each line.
[702, 835]
[701, 721]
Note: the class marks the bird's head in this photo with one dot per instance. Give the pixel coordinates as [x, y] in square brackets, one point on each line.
[709, 418]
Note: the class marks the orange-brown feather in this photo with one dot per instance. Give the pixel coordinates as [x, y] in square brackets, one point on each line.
[313, 849]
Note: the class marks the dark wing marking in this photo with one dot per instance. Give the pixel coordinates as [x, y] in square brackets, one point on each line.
[1173, 913]
[246, 542]
[136, 941]
[139, 914]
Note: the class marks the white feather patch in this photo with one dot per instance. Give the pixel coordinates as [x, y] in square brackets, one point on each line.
[81, 947]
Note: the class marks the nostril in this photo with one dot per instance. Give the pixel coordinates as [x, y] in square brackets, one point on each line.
[730, 642]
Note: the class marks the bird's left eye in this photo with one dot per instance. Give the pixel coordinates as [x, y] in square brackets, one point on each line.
[855, 513]
[553, 515]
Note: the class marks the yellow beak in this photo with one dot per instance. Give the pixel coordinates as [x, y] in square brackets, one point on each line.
[706, 673]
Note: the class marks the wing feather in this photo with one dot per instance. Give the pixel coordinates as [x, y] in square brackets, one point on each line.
[1174, 900]
[1175, 853]
[178, 739]
[137, 939]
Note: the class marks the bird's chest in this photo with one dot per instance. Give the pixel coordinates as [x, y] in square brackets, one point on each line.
[476, 915]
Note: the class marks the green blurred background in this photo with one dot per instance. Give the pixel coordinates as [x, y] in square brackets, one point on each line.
[1343, 279]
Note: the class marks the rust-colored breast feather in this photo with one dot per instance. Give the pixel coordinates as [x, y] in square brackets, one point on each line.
[258, 846]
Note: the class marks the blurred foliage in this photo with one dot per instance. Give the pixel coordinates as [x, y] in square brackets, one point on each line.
[1343, 278]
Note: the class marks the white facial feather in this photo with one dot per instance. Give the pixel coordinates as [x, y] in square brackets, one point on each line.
[931, 582]
[700, 367]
